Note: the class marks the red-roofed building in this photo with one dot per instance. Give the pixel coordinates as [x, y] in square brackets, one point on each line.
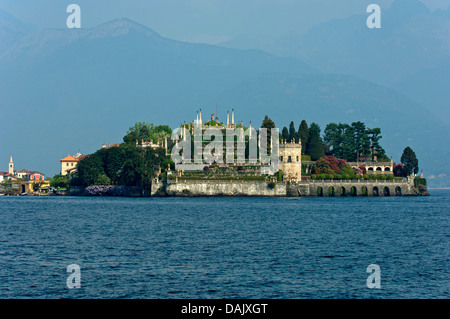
[70, 162]
[22, 173]
[35, 176]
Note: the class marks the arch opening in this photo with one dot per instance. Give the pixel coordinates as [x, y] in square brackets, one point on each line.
[320, 191]
[364, 191]
[375, 191]
[331, 191]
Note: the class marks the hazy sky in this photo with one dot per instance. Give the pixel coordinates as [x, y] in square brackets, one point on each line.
[209, 21]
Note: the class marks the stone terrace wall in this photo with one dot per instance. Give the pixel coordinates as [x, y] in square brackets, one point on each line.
[225, 188]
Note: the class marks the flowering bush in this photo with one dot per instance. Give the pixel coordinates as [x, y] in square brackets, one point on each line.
[105, 190]
[399, 170]
[329, 165]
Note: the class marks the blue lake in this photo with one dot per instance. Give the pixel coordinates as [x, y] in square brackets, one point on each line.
[271, 248]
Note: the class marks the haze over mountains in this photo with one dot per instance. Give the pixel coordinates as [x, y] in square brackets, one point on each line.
[63, 91]
[408, 53]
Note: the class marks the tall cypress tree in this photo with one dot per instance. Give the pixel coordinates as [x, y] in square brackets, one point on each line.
[361, 142]
[374, 138]
[303, 135]
[315, 144]
[292, 133]
[268, 124]
[285, 134]
[409, 161]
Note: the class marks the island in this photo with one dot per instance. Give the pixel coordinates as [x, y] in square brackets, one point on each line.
[214, 158]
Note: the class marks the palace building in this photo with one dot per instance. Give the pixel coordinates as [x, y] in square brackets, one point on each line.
[289, 154]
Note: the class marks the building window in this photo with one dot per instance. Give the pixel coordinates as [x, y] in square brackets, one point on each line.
[67, 164]
[297, 158]
[289, 159]
[281, 158]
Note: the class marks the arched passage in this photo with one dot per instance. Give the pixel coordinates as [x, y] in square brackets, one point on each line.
[364, 191]
[398, 191]
[331, 191]
[387, 191]
[320, 191]
[375, 191]
[342, 191]
[353, 191]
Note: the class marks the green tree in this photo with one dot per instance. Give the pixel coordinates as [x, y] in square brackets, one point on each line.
[292, 133]
[338, 138]
[315, 143]
[113, 161]
[374, 138]
[141, 131]
[409, 161]
[89, 169]
[161, 132]
[102, 179]
[285, 133]
[268, 124]
[303, 135]
[37, 186]
[361, 142]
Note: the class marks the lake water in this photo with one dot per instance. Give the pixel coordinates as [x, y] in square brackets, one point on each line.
[271, 248]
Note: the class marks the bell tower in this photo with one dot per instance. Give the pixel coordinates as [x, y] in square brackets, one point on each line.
[11, 166]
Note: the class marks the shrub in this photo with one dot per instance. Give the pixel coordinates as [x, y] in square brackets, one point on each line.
[420, 181]
[272, 185]
[279, 176]
[366, 176]
[102, 179]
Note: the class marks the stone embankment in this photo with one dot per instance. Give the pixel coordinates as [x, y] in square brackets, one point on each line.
[311, 188]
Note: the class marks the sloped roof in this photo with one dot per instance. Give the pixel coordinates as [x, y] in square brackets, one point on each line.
[69, 158]
[36, 172]
[114, 145]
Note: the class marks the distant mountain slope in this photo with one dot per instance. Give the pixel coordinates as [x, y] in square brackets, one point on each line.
[431, 88]
[85, 87]
[11, 30]
[411, 39]
[68, 90]
[324, 98]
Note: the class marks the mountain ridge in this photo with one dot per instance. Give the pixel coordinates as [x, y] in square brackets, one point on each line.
[94, 84]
